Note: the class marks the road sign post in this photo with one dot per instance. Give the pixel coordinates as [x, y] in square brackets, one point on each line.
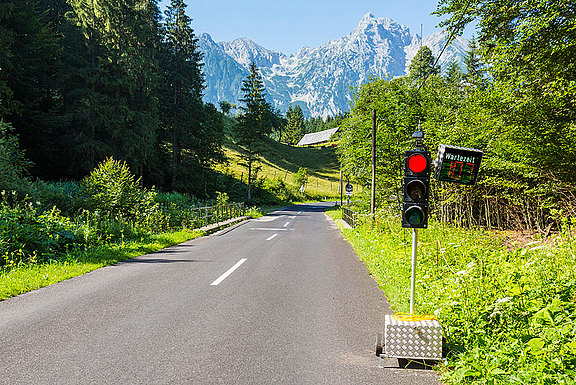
[413, 276]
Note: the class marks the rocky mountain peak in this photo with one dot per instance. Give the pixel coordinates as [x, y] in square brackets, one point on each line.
[320, 79]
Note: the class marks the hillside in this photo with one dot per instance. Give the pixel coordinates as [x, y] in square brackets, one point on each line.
[280, 162]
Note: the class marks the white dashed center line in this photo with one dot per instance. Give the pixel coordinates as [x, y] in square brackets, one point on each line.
[230, 271]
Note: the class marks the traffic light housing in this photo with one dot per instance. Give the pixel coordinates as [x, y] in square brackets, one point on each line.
[416, 188]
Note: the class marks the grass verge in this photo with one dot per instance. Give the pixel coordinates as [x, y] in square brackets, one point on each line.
[22, 278]
[508, 313]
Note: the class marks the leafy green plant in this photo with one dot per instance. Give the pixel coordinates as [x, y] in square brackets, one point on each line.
[113, 189]
[509, 314]
[301, 177]
[29, 235]
[68, 196]
[279, 189]
[221, 199]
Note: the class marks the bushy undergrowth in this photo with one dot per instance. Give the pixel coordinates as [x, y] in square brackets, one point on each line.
[108, 206]
[509, 314]
[29, 235]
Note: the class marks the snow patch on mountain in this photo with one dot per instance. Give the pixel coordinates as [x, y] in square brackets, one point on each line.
[320, 80]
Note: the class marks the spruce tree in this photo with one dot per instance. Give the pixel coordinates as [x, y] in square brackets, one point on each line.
[184, 84]
[422, 64]
[474, 66]
[295, 126]
[254, 119]
[453, 73]
[29, 89]
[121, 73]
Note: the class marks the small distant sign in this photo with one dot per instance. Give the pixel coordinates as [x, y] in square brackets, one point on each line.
[349, 189]
[457, 164]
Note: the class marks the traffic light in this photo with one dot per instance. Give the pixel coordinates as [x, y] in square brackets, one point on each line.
[416, 188]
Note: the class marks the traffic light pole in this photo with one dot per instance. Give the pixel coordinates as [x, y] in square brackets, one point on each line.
[413, 278]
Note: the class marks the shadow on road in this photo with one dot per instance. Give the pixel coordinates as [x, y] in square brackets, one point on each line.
[404, 363]
[158, 260]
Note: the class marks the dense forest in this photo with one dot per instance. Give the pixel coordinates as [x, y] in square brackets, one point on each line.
[515, 101]
[84, 80]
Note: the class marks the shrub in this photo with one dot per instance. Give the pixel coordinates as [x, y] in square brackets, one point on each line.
[221, 199]
[67, 196]
[28, 235]
[301, 177]
[13, 164]
[280, 190]
[176, 208]
[113, 189]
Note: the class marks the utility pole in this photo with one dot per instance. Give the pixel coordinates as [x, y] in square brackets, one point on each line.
[373, 192]
[341, 188]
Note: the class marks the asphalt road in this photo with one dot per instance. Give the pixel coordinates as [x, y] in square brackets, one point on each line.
[278, 300]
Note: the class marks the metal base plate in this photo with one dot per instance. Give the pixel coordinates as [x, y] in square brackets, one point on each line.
[419, 340]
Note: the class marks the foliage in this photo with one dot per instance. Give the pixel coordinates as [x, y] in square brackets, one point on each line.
[301, 178]
[225, 107]
[399, 110]
[194, 131]
[114, 190]
[529, 48]
[13, 165]
[67, 196]
[30, 235]
[528, 166]
[531, 42]
[474, 67]
[295, 127]
[316, 124]
[422, 64]
[83, 80]
[280, 190]
[453, 74]
[254, 120]
[21, 278]
[221, 198]
[508, 312]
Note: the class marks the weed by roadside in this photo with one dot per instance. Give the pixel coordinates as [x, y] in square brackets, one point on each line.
[509, 315]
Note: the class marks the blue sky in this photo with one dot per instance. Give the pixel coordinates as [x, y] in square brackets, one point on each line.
[287, 25]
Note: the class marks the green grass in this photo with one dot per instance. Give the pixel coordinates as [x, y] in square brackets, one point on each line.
[281, 161]
[508, 313]
[22, 278]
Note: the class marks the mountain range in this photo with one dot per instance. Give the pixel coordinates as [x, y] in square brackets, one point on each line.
[320, 80]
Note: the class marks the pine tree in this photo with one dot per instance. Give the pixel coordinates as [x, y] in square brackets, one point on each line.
[184, 84]
[474, 66]
[254, 119]
[295, 126]
[453, 73]
[29, 92]
[121, 75]
[422, 64]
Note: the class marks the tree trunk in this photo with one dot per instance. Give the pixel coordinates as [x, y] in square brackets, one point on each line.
[174, 144]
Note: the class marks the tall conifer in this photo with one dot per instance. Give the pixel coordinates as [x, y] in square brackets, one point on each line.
[422, 64]
[184, 84]
[254, 120]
